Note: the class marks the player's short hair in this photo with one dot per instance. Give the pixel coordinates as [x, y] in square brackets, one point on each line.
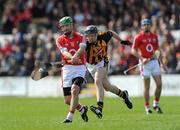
[145, 22]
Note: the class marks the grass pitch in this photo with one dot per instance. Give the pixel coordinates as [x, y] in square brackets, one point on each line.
[19, 113]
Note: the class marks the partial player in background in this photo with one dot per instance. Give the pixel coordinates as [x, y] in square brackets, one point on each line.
[144, 47]
[97, 64]
[72, 47]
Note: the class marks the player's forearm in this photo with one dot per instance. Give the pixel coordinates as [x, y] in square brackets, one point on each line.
[162, 64]
[67, 55]
[161, 57]
[123, 42]
[80, 50]
[135, 53]
[115, 35]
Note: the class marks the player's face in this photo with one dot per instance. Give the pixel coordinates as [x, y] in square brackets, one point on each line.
[66, 29]
[146, 28]
[91, 38]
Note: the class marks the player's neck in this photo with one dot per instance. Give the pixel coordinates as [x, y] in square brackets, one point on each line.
[70, 35]
[147, 33]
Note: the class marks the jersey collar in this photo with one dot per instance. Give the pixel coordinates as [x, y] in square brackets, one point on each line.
[143, 33]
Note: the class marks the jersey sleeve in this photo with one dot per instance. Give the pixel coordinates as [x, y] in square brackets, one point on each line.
[108, 36]
[58, 44]
[136, 42]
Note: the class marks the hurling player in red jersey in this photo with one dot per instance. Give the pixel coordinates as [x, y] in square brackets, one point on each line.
[144, 47]
[72, 47]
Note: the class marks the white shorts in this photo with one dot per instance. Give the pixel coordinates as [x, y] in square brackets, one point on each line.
[93, 68]
[152, 68]
[69, 72]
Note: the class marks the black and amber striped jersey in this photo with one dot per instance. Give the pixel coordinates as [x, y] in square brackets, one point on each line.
[96, 52]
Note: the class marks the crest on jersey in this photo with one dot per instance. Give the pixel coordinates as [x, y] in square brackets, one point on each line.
[149, 48]
[72, 51]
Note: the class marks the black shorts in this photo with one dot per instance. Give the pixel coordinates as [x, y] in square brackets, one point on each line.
[77, 81]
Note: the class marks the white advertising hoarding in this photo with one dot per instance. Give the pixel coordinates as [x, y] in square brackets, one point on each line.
[51, 86]
[15, 86]
[46, 87]
[134, 85]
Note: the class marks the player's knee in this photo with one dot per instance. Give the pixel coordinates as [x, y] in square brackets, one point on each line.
[75, 90]
[159, 85]
[106, 88]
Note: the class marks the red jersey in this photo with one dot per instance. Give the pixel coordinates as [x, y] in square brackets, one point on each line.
[146, 44]
[71, 44]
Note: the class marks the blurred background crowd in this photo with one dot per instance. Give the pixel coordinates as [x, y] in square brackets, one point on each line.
[29, 27]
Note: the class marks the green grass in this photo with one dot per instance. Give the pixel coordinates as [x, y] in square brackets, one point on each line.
[18, 113]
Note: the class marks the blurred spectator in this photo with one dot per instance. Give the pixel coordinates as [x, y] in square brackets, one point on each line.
[34, 23]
